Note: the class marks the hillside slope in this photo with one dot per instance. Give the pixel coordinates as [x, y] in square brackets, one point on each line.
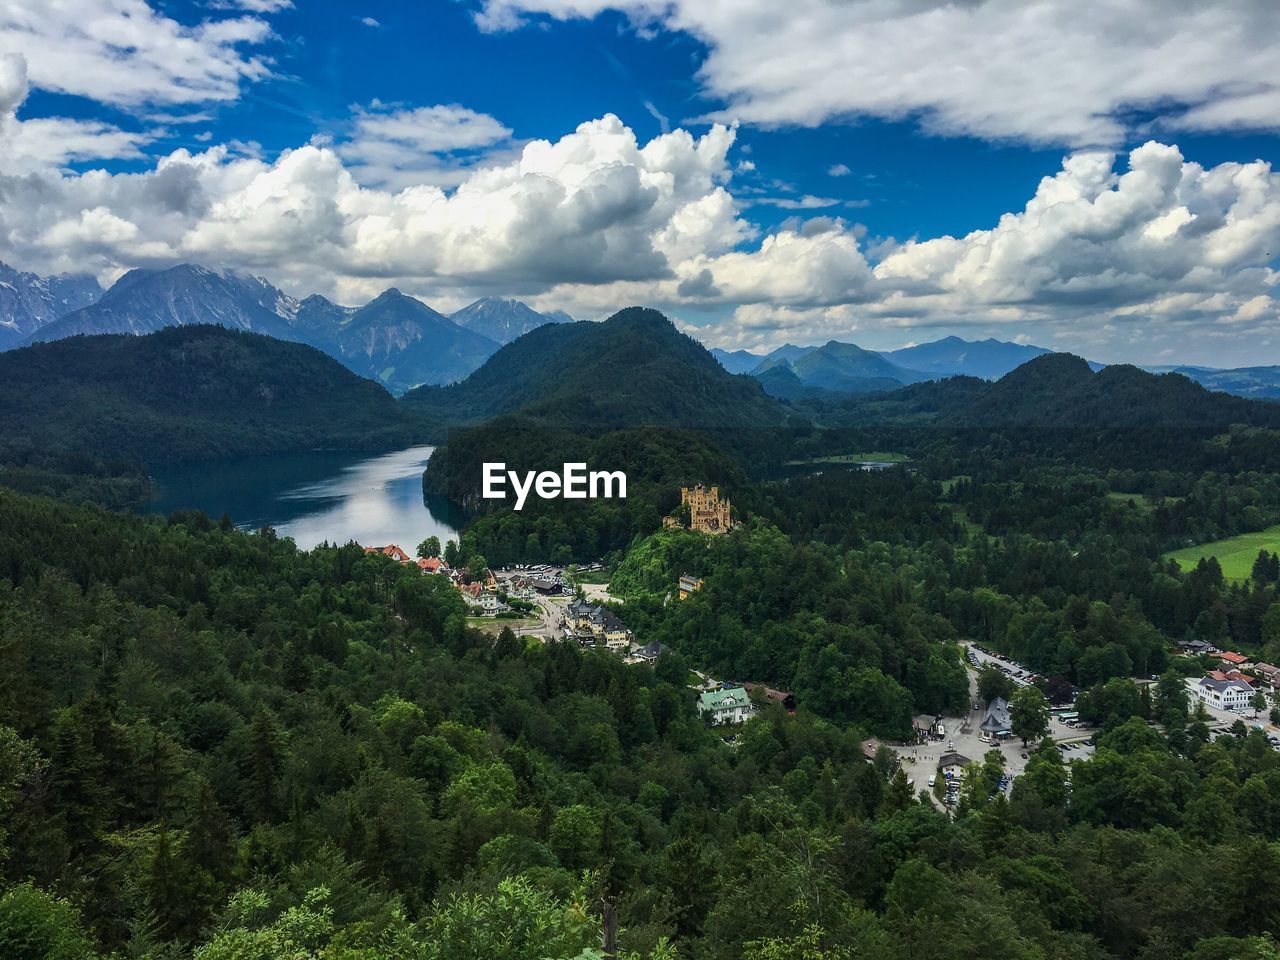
[189, 393]
[633, 369]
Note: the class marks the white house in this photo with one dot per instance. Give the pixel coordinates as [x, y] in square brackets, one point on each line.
[491, 605]
[726, 705]
[1231, 695]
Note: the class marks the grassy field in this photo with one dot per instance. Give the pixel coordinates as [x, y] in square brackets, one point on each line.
[1235, 554]
[1139, 501]
[963, 516]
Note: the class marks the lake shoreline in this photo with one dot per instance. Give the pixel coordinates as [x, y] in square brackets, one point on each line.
[314, 496]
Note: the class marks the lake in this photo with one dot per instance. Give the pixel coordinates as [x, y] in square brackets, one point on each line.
[333, 495]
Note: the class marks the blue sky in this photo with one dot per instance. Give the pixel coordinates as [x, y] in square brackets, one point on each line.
[835, 170]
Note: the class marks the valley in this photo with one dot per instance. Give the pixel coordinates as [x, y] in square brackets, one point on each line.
[639, 480]
[949, 603]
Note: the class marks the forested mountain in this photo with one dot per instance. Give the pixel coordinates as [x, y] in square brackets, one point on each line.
[585, 392]
[504, 320]
[781, 381]
[633, 369]
[1060, 390]
[401, 342]
[29, 301]
[656, 461]
[844, 368]
[188, 393]
[988, 359]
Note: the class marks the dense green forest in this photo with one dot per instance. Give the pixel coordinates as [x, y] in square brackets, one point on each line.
[216, 745]
[656, 461]
[79, 417]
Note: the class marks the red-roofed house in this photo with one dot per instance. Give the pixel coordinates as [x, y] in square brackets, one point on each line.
[1230, 675]
[1233, 659]
[432, 565]
[392, 551]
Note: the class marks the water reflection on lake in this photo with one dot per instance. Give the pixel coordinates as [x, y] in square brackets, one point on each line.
[313, 497]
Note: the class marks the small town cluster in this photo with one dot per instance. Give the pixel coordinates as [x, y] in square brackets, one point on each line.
[548, 593]
[1239, 684]
[551, 603]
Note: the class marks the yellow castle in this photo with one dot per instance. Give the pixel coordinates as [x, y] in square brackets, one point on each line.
[707, 512]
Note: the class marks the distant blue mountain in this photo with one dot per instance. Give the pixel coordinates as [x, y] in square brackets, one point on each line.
[844, 368]
[1260, 383]
[744, 361]
[951, 356]
[736, 361]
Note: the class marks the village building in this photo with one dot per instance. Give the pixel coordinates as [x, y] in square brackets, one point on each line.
[1268, 673]
[689, 584]
[996, 721]
[491, 605]
[650, 652]
[432, 565]
[518, 588]
[595, 624]
[783, 698]
[1233, 695]
[707, 512]
[392, 551]
[727, 705]
[1229, 675]
[1195, 648]
[1232, 659]
[951, 765]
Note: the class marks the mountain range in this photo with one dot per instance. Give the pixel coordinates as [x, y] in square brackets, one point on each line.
[395, 339]
[793, 372]
[403, 343]
[28, 302]
[1060, 391]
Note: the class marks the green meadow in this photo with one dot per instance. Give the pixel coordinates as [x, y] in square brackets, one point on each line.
[1235, 554]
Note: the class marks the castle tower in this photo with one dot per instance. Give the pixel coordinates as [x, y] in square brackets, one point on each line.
[707, 512]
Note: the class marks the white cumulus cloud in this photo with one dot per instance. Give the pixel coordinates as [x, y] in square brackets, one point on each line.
[1052, 71]
[126, 53]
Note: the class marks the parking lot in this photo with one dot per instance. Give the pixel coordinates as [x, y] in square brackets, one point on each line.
[964, 735]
